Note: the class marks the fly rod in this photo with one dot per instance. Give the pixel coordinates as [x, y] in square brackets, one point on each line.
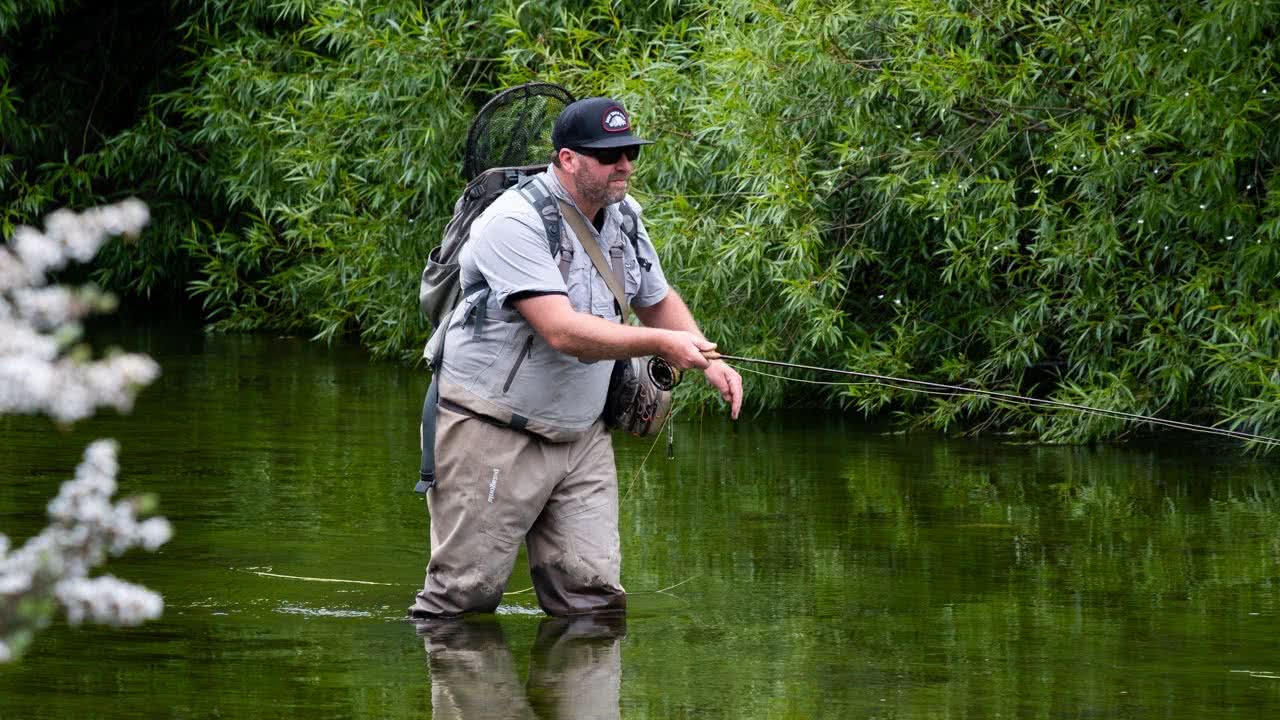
[926, 386]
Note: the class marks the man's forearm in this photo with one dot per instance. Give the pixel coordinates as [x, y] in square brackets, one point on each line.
[593, 338]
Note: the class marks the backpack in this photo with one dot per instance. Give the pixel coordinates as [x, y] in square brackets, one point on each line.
[441, 287]
[508, 145]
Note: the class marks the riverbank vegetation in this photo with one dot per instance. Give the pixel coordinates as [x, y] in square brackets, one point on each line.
[1077, 200]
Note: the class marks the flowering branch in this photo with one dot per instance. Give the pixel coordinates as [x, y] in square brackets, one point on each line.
[42, 370]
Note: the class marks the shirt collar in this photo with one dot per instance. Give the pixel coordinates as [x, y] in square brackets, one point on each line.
[557, 189]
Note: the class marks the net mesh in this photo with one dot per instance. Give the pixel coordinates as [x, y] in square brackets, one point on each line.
[514, 128]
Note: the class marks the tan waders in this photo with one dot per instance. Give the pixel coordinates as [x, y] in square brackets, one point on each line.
[499, 486]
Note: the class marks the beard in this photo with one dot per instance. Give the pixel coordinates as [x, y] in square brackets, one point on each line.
[599, 192]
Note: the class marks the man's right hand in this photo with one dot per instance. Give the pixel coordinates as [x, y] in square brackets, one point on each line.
[685, 350]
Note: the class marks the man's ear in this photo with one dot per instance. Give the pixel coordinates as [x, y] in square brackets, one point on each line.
[569, 160]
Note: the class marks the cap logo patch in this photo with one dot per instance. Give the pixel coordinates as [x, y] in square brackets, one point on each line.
[615, 120]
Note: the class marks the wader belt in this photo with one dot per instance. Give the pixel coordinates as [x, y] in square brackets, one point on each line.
[518, 423]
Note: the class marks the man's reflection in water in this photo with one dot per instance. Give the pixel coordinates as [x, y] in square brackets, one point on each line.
[575, 669]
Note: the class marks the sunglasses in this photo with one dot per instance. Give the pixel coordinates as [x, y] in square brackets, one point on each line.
[610, 156]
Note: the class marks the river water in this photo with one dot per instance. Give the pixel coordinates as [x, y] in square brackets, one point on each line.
[791, 566]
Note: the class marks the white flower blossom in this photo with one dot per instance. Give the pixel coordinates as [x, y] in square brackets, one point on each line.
[37, 324]
[17, 339]
[49, 307]
[154, 532]
[86, 526]
[38, 252]
[13, 272]
[108, 601]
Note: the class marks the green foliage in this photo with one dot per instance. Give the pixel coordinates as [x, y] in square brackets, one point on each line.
[1076, 200]
[15, 14]
[333, 139]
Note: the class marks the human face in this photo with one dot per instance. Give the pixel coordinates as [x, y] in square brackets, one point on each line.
[602, 176]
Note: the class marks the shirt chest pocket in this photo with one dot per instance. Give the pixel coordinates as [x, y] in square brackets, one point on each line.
[632, 277]
[589, 292]
[579, 286]
[603, 303]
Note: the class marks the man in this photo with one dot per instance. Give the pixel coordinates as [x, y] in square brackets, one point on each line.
[521, 451]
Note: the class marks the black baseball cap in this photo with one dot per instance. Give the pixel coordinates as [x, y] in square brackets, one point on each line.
[597, 122]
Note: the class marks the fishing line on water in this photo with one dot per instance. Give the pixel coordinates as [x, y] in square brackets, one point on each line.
[316, 579]
[304, 578]
[932, 388]
[663, 591]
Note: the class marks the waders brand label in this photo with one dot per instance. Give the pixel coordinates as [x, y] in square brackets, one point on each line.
[493, 484]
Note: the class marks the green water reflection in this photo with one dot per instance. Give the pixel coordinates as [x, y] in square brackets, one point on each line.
[824, 569]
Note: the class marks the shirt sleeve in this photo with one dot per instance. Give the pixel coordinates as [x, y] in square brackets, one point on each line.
[513, 257]
[653, 283]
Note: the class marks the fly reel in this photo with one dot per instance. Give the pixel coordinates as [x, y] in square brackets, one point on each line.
[639, 398]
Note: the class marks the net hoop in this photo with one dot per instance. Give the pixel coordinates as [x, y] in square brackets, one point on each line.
[513, 129]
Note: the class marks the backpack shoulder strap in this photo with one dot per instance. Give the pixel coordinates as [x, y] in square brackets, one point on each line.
[535, 191]
[631, 227]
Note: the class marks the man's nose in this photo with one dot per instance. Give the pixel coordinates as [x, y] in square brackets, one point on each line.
[624, 163]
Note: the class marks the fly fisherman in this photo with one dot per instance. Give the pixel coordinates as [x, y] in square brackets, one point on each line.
[521, 450]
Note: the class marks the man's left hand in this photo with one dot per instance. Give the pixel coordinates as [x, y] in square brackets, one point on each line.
[728, 382]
